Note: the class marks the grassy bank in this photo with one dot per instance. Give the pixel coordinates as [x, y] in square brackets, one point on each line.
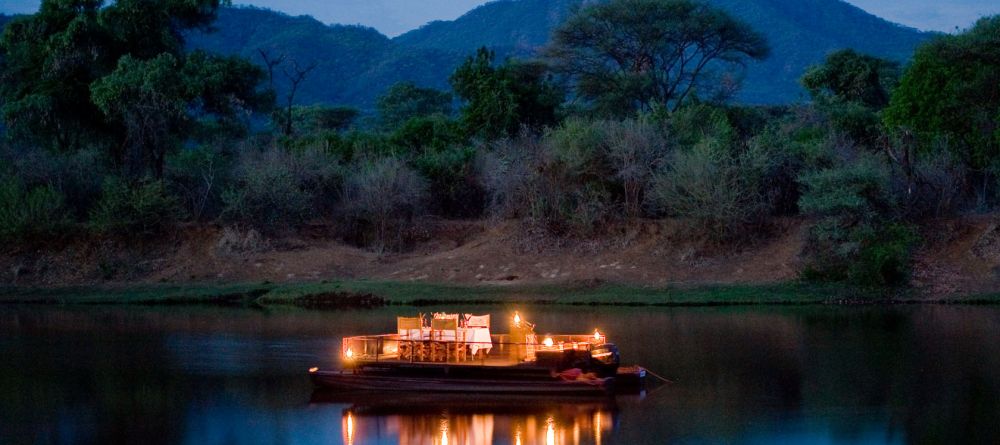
[364, 293]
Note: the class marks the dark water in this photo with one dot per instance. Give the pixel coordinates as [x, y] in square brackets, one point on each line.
[743, 375]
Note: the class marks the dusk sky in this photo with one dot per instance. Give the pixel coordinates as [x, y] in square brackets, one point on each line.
[394, 17]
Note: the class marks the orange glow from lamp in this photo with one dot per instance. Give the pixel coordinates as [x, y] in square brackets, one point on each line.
[349, 354]
[550, 431]
[517, 319]
[597, 335]
[548, 342]
[350, 429]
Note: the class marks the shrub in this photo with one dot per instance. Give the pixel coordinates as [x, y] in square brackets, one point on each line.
[634, 150]
[859, 237]
[435, 132]
[573, 190]
[454, 186]
[275, 189]
[76, 175]
[29, 213]
[508, 170]
[720, 192]
[380, 199]
[575, 178]
[197, 177]
[141, 208]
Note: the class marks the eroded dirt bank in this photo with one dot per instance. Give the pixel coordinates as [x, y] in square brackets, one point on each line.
[961, 256]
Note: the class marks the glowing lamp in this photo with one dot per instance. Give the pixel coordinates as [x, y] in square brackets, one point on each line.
[313, 369]
[349, 354]
[597, 335]
[517, 320]
[547, 342]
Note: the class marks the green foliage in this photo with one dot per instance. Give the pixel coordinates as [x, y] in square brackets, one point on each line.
[848, 76]
[128, 209]
[318, 118]
[851, 88]
[626, 55]
[196, 176]
[858, 238]
[857, 192]
[885, 256]
[53, 56]
[453, 184]
[499, 100]
[951, 91]
[147, 98]
[435, 132]
[27, 214]
[405, 101]
[720, 189]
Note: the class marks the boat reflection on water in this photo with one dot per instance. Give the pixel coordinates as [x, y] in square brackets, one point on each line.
[420, 419]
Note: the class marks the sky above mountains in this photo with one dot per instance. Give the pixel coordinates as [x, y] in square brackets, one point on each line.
[394, 17]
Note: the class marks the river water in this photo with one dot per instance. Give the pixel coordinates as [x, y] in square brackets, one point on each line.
[197, 375]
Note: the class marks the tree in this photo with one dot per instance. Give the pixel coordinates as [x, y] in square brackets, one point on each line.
[50, 59]
[405, 100]
[319, 118]
[147, 97]
[500, 99]
[848, 76]
[158, 101]
[951, 92]
[53, 57]
[624, 55]
[852, 88]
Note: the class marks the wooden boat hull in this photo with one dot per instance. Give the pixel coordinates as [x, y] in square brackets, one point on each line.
[351, 380]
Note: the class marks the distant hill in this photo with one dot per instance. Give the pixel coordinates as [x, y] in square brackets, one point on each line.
[801, 33]
[356, 64]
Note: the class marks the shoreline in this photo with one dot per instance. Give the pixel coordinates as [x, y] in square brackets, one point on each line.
[362, 294]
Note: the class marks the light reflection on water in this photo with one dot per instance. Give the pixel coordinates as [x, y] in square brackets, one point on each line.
[744, 375]
[448, 428]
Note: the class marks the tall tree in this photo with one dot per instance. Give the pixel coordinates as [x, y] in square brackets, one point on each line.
[501, 99]
[50, 60]
[405, 100]
[848, 76]
[951, 91]
[851, 88]
[81, 73]
[624, 55]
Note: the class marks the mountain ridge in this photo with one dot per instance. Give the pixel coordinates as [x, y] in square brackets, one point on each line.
[355, 64]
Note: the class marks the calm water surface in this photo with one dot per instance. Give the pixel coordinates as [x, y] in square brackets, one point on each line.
[743, 375]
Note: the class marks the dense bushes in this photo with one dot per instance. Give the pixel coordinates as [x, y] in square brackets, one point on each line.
[381, 198]
[27, 214]
[129, 209]
[277, 189]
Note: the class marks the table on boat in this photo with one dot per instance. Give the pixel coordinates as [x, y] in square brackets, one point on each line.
[476, 338]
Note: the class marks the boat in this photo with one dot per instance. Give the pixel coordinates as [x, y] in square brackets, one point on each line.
[459, 354]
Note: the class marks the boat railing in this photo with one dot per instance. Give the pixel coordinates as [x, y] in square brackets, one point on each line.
[502, 349]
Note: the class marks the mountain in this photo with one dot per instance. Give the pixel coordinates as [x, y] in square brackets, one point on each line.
[355, 64]
[801, 33]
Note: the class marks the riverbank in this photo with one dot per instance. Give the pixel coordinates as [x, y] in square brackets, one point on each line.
[470, 262]
[367, 294]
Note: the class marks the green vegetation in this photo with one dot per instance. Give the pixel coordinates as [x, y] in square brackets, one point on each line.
[425, 294]
[414, 293]
[146, 135]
